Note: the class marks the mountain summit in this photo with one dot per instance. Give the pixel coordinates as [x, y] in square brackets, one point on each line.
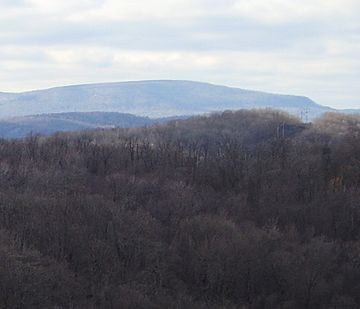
[149, 98]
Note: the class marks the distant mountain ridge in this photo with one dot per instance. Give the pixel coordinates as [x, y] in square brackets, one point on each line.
[47, 124]
[160, 98]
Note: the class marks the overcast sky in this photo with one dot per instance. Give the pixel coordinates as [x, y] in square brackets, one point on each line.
[305, 47]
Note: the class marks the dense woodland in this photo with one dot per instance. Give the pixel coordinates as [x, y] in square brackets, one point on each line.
[246, 209]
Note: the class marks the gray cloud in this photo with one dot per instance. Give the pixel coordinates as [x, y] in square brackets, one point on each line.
[267, 47]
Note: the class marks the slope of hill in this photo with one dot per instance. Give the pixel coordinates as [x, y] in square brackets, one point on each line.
[47, 124]
[149, 98]
[246, 209]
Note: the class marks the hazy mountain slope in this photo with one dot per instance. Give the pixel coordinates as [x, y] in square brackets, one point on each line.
[149, 98]
[50, 123]
[350, 111]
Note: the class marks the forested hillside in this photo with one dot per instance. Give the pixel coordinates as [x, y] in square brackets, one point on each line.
[247, 209]
[46, 124]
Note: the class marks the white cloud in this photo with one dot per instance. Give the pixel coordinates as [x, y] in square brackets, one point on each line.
[282, 11]
[264, 11]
